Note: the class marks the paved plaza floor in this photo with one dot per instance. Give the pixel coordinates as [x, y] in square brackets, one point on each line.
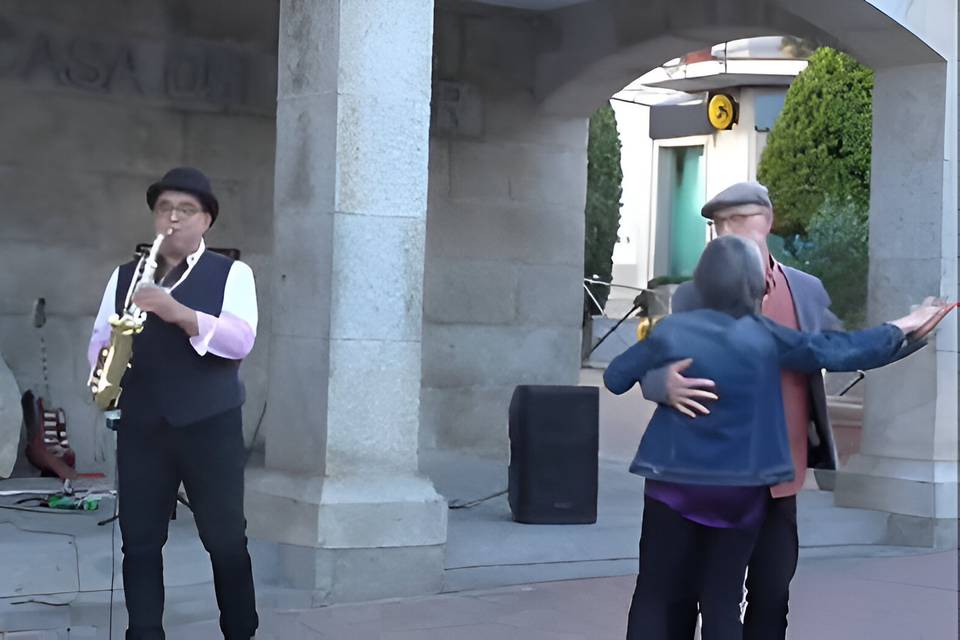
[910, 597]
[503, 579]
[875, 598]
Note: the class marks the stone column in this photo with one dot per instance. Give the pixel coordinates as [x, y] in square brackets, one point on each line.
[908, 460]
[341, 493]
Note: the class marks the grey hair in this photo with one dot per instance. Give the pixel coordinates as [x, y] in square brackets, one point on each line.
[730, 276]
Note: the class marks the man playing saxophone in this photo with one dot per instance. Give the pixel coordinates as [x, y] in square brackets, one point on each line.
[180, 404]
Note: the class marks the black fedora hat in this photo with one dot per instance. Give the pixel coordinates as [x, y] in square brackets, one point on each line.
[187, 180]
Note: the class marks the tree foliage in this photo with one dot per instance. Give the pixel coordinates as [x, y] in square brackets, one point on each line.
[819, 148]
[836, 250]
[604, 178]
[797, 47]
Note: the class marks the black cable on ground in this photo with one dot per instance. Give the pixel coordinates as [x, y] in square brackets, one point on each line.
[456, 504]
[67, 512]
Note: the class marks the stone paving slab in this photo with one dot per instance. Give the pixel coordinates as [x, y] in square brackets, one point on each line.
[486, 549]
[839, 594]
[486, 552]
[870, 598]
[906, 598]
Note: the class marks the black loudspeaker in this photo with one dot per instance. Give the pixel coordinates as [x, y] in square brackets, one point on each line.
[554, 442]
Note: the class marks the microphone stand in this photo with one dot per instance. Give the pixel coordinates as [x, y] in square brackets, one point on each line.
[639, 302]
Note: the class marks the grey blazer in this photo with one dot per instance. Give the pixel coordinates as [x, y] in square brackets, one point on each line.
[812, 303]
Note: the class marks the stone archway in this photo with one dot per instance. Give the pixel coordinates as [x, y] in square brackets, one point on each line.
[501, 251]
[505, 214]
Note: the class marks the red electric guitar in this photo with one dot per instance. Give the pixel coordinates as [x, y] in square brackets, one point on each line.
[47, 446]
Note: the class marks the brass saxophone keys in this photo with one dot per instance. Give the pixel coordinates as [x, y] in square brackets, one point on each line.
[126, 325]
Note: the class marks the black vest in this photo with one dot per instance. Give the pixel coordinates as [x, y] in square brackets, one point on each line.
[167, 379]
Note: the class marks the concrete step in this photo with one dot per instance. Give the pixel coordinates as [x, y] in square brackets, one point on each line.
[822, 524]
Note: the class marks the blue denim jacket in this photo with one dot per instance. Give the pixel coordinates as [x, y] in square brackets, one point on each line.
[743, 441]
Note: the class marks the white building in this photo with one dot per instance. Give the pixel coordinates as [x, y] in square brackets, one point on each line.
[674, 159]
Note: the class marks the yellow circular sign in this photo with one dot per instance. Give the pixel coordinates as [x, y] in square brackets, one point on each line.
[720, 111]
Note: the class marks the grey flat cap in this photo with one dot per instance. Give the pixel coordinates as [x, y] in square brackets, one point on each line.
[736, 195]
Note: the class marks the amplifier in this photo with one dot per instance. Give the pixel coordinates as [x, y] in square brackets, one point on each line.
[554, 442]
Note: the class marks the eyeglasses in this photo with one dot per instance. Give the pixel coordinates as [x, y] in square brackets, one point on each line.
[187, 211]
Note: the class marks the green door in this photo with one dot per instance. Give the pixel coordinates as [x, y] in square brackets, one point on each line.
[688, 229]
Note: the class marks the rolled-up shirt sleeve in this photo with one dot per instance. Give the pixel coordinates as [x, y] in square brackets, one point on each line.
[100, 337]
[231, 334]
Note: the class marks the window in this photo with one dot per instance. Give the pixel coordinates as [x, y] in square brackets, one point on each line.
[768, 107]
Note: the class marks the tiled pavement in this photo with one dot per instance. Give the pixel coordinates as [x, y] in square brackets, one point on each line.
[886, 598]
[846, 587]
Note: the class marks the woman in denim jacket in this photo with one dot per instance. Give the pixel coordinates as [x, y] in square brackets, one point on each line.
[707, 479]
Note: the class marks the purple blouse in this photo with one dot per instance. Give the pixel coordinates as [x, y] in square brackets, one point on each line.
[712, 506]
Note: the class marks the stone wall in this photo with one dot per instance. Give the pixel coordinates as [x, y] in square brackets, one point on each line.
[505, 224]
[100, 99]
[908, 459]
[585, 52]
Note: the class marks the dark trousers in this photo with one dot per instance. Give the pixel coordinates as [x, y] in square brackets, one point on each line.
[208, 457]
[771, 568]
[682, 562]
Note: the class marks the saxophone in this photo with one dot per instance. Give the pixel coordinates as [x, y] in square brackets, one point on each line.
[653, 312]
[646, 325]
[114, 359]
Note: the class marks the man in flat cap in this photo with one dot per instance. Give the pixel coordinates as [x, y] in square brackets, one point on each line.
[797, 300]
[180, 408]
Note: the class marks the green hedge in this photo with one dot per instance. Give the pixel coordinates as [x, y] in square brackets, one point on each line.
[819, 148]
[836, 250]
[604, 178]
